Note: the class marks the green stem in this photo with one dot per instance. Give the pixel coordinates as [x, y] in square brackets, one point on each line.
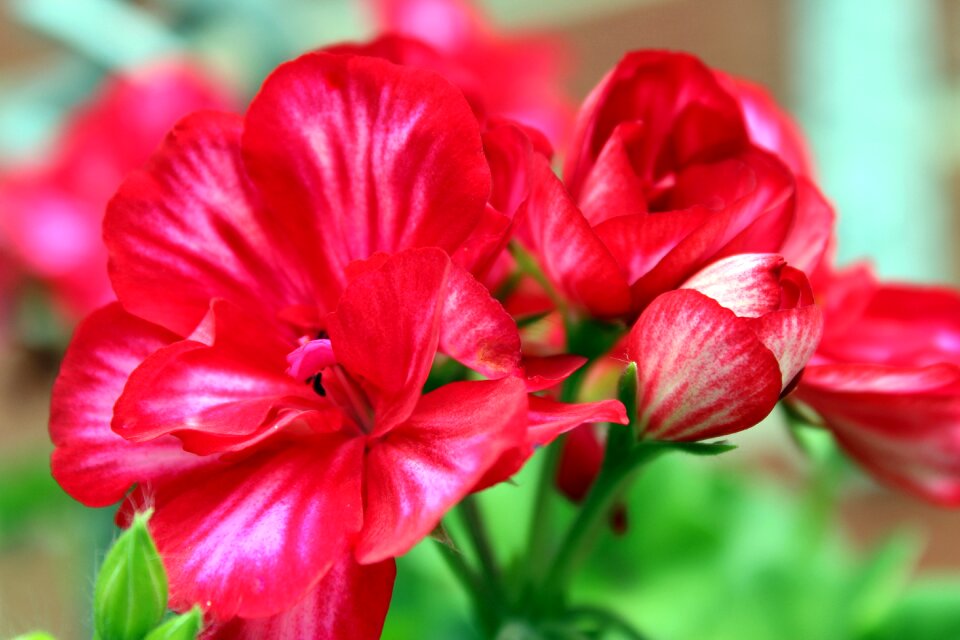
[480, 539]
[479, 596]
[538, 541]
[614, 478]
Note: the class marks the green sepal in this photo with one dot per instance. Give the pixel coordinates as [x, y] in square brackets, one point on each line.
[627, 391]
[130, 596]
[183, 627]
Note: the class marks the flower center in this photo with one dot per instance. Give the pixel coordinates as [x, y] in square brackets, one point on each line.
[315, 363]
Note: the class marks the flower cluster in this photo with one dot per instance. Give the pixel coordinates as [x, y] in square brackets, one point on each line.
[314, 352]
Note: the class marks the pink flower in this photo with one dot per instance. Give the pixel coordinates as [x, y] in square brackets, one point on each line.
[886, 381]
[520, 77]
[671, 169]
[715, 356]
[284, 285]
[51, 212]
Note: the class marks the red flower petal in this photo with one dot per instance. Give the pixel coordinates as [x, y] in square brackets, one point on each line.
[901, 423]
[548, 419]
[570, 253]
[812, 230]
[748, 284]
[359, 155]
[192, 221]
[251, 537]
[211, 395]
[386, 330]
[612, 188]
[475, 329]
[425, 466]
[686, 114]
[91, 462]
[792, 335]
[702, 372]
[350, 601]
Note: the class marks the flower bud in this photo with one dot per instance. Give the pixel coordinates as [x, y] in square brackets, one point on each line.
[183, 627]
[130, 596]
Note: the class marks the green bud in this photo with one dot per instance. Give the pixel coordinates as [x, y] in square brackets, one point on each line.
[35, 635]
[183, 627]
[130, 596]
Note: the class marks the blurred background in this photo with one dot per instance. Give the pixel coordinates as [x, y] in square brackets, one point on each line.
[765, 542]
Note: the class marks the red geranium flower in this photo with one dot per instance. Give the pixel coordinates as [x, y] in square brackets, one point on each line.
[263, 376]
[51, 213]
[665, 176]
[520, 77]
[886, 380]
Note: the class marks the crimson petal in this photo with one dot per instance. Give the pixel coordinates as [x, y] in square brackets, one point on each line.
[425, 466]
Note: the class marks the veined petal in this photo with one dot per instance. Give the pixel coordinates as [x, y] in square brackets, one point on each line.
[214, 394]
[250, 537]
[702, 371]
[386, 330]
[748, 284]
[475, 329]
[350, 601]
[191, 221]
[548, 418]
[612, 188]
[900, 423]
[91, 462]
[361, 155]
[570, 253]
[421, 469]
[792, 335]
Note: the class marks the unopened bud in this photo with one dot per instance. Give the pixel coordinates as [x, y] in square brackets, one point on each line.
[183, 627]
[130, 596]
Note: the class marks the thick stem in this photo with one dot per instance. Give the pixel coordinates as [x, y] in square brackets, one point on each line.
[480, 539]
[613, 479]
[479, 596]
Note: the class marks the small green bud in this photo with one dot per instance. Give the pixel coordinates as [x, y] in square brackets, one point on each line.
[130, 596]
[35, 635]
[183, 627]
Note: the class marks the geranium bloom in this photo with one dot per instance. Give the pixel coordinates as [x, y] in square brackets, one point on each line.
[518, 77]
[263, 376]
[886, 380]
[668, 172]
[51, 213]
[714, 356]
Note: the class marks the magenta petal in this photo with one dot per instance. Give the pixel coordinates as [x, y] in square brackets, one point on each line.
[421, 469]
[386, 330]
[702, 371]
[570, 253]
[192, 222]
[350, 601]
[226, 388]
[548, 419]
[901, 423]
[475, 329]
[251, 537]
[361, 155]
[748, 284]
[91, 462]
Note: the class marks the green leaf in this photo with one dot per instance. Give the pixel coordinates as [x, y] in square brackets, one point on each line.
[130, 596]
[183, 627]
[881, 581]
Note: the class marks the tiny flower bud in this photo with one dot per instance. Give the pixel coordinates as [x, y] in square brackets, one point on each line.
[183, 627]
[130, 596]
